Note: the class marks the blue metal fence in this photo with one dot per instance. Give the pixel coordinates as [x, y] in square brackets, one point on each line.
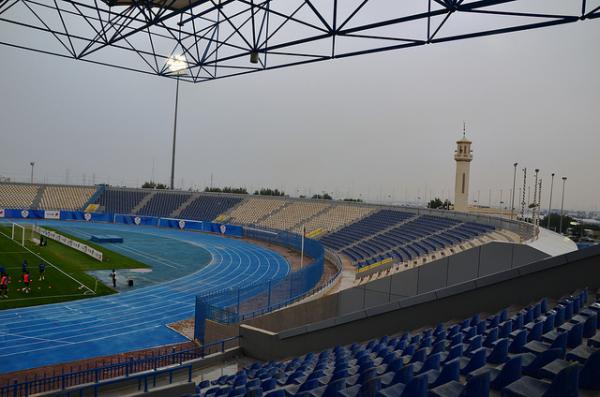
[234, 305]
[126, 369]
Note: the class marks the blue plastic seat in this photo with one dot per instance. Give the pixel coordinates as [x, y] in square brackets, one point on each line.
[581, 353]
[498, 354]
[589, 377]
[563, 385]
[417, 387]
[502, 375]
[403, 375]
[276, 393]
[504, 329]
[532, 363]
[519, 339]
[449, 372]
[477, 360]
[431, 362]
[538, 347]
[477, 386]
[492, 336]
[452, 353]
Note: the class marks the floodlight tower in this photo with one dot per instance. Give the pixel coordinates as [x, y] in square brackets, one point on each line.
[176, 65]
[463, 157]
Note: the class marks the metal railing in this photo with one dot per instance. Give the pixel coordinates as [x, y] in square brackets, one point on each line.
[125, 370]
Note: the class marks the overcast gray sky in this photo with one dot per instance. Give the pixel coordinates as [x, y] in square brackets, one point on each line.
[381, 126]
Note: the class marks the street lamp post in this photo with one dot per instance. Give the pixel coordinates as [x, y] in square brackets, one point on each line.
[550, 203]
[512, 201]
[176, 64]
[32, 164]
[562, 204]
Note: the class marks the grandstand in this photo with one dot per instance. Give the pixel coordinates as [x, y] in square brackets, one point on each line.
[57, 197]
[252, 210]
[18, 195]
[443, 249]
[294, 215]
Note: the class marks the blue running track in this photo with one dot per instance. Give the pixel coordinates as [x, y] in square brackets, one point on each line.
[50, 334]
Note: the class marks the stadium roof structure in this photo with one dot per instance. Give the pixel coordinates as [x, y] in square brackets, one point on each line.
[222, 38]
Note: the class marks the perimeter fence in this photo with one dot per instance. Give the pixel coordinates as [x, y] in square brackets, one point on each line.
[234, 305]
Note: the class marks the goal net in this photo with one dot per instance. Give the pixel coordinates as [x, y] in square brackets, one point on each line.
[18, 233]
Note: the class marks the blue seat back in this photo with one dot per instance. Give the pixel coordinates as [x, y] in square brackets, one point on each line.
[549, 323]
[403, 375]
[536, 331]
[432, 362]
[419, 356]
[505, 329]
[590, 325]
[575, 336]
[499, 353]
[518, 342]
[477, 386]
[491, 337]
[560, 315]
[510, 372]
[566, 383]
[588, 377]
[450, 371]
[454, 352]
[417, 387]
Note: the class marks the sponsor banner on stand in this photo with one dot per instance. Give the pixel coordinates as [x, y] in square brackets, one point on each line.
[1, 212]
[51, 214]
[86, 249]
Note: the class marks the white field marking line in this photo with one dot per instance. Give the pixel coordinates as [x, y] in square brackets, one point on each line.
[226, 269]
[39, 297]
[175, 304]
[182, 309]
[33, 337]
[106, 306]
[184, 294]
[60, 270]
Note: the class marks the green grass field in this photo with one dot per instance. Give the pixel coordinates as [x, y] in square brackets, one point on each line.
[65, 277]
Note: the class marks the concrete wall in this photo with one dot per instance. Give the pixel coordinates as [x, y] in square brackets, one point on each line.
[551, 277]
[467, 265]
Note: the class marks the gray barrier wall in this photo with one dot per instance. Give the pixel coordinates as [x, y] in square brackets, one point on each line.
[464, 266]
[519, 285]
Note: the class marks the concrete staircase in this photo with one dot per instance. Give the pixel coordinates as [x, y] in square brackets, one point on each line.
[184, 205]
[37, 200]
[310, 218]
[143, 202]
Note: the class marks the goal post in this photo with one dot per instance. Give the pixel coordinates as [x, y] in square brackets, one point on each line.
[18, 233]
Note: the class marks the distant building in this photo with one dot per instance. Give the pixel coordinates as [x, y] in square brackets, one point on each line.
[463, 156]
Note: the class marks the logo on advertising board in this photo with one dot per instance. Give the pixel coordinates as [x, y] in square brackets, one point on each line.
[181, 224]
[87, 216]
[223, 229]
[1, 213]
[137, 220]
[24, 213]
[52, 214]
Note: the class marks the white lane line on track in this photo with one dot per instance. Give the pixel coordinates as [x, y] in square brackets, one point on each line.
[33, 337]
[237, 264]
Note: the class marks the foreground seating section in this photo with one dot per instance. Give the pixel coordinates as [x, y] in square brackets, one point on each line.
[66, 197]
[430, 362]
[120, 201]
[293, 214]
[17, 195]
[208, 207]
[163, 204]
[254, 209]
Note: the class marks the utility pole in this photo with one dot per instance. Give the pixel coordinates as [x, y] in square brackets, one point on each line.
[550, 202]
[562, 204]
[512, 201]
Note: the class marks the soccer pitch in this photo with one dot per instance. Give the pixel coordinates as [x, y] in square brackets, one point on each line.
[65, 272]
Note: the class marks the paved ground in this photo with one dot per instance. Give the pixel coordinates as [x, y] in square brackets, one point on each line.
[133, 320]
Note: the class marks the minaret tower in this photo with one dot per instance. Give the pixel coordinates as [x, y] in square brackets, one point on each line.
[463, 156]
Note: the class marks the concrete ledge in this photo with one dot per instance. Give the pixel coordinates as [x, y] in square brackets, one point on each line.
[523, 285]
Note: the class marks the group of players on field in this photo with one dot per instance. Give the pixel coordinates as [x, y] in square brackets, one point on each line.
[5, 278]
